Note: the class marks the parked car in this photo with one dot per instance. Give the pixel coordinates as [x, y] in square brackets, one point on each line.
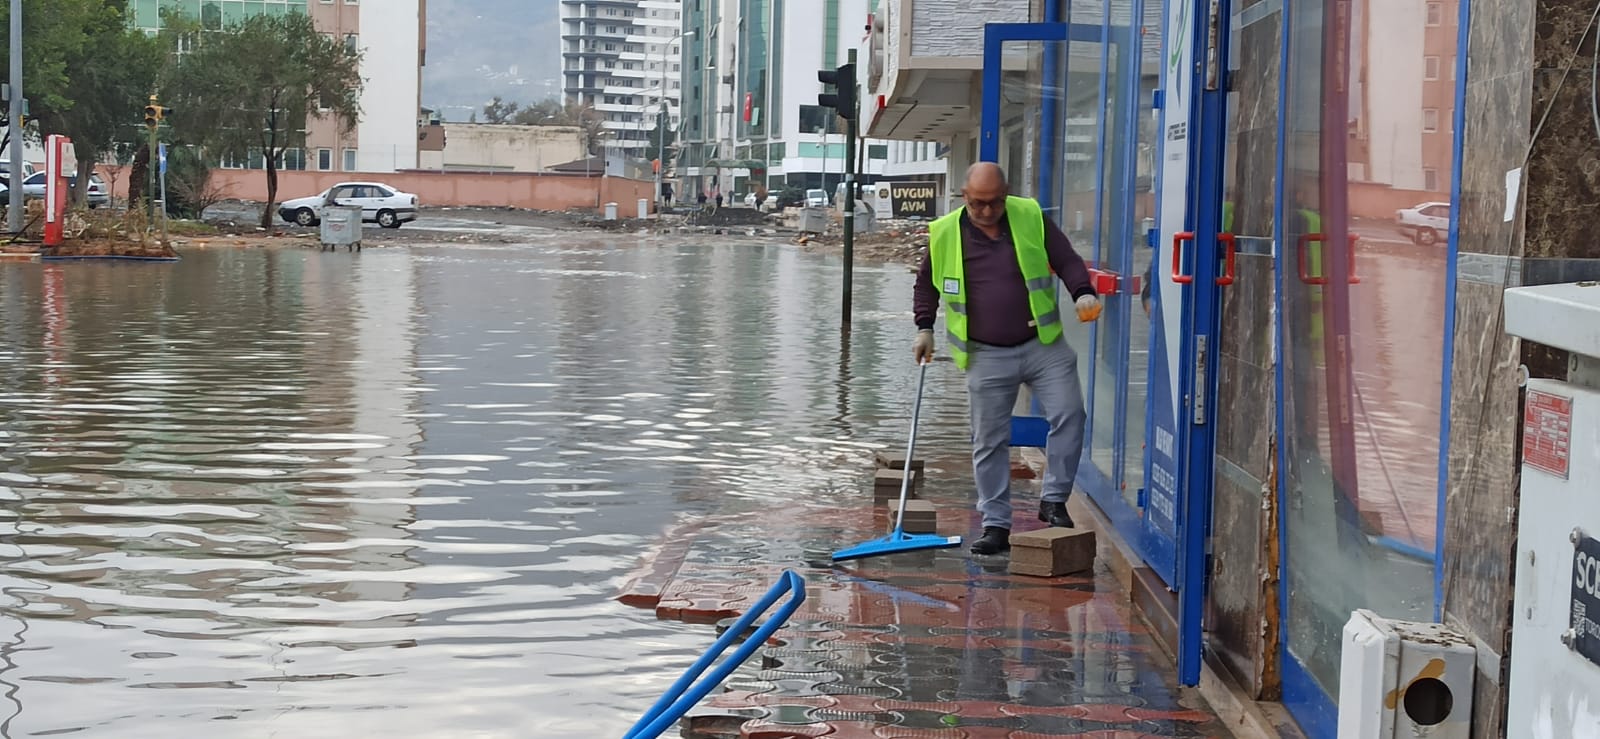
[380, 204]
[99, 194]
[816, 198]
[1425, 223]
[5, 168]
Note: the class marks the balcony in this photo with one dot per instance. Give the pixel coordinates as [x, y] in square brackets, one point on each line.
[924, 66]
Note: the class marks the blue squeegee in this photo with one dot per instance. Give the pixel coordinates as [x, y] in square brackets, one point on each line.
[899, 541]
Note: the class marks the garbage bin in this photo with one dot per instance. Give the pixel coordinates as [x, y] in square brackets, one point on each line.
[644, 209]
[611, 211]
[341, 226]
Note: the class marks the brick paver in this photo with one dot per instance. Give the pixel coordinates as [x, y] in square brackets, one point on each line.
[930, 644]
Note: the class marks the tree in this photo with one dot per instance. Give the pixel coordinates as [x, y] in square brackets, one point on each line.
[248, 90]
[662, 132]
[52, 35]
[498, 112]
[112, 73]
[589, 122]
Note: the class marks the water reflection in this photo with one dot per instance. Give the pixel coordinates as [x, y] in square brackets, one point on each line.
[394, 492]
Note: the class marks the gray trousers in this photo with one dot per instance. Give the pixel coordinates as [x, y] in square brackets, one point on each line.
[994, 377]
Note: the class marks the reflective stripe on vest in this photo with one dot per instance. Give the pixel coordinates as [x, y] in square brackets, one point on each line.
[1026, 221]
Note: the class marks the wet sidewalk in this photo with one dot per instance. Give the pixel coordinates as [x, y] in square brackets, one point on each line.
[927, 644]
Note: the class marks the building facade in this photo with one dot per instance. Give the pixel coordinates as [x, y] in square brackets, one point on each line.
[1301, 399]
[750, 85]
[623, 58]
[392, 38]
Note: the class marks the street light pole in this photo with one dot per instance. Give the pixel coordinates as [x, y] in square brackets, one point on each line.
[14, 211]
[661, 117]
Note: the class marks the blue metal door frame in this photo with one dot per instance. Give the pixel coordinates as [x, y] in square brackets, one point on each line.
[1197, 356]
[1031, 430]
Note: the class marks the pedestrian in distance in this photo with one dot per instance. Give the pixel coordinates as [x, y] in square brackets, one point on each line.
[994, 263]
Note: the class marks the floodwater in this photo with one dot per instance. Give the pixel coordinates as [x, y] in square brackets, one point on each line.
[289, 493]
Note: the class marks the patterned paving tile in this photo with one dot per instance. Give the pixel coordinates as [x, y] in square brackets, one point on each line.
[932, 644]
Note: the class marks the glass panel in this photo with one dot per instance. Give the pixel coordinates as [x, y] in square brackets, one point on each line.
[1145, 156]
[1362, 359]
[1087, 154]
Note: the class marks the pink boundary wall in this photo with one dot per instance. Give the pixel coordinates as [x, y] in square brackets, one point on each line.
[530, 190]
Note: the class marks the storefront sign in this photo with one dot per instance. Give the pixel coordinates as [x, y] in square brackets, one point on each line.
[1547, 433]
[1586, 599]
[914, 199]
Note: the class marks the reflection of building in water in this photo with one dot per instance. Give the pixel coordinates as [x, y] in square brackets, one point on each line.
[378, 356]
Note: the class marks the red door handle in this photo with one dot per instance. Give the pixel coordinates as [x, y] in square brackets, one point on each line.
[1230, 247]
[1305, 252]
[1177, 257]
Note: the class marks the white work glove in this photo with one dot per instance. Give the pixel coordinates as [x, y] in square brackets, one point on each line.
[922, 349]
[1088, 309]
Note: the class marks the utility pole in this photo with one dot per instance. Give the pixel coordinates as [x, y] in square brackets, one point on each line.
[661, 119]
[152, 121]
[14, 211]
[850, 186]
[844, 103]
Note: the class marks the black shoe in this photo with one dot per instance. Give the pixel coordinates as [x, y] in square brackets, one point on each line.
[1054, 514]
[994, 541]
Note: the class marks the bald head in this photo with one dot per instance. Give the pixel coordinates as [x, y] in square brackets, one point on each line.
[985, 193]
[986, 176]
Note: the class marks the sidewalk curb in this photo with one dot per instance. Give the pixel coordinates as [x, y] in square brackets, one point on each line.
[1245, 716]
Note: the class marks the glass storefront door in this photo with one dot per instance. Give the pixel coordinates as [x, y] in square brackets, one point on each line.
[1366, 219]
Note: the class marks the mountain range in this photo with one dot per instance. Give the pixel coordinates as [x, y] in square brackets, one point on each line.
[478, 49]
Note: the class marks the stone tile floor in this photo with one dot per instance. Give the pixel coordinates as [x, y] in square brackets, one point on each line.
[929, 644]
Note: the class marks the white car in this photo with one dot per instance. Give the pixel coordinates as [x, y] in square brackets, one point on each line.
[380, 204]
[1425, 223]
[816, 198]
[99, 194]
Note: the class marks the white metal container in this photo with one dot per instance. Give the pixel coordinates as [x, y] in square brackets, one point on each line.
[341, 226]
[1404, 679]
[1555, 626]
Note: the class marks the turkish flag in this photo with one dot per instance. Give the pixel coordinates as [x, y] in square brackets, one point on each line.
[749, 106]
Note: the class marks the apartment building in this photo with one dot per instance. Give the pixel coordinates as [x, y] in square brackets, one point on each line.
[623, 58]
[750, 93]
[392, 38]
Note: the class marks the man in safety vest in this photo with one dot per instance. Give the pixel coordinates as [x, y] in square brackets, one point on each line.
[994, 263]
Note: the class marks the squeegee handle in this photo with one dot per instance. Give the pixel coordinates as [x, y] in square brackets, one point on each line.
[911, 450]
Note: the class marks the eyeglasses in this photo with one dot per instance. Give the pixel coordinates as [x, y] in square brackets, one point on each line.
[976, 204]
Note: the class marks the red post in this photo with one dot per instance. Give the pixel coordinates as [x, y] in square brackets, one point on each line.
[58, 155]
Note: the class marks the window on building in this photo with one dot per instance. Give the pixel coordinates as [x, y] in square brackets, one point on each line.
[1452, 69]
[352, 42]
[1430, 120]
[611, 47]
[1435, 14]
[349, 160]
[611, 100]
[294, 160]
[324, 159]
[1450, 120]
[1430, 67]
[878, 151]
[1430, 180]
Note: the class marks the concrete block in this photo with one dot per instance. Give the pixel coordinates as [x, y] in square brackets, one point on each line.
[1052, 552]
[921, 518]
[897, 461]
[890, 480]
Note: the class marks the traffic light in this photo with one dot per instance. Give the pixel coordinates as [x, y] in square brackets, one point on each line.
[154, 114]
[843, 99]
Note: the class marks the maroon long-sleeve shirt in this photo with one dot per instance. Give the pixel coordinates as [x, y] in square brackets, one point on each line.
[998, 313]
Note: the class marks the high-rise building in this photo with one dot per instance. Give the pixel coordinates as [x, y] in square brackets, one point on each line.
[750, 113]
[623, 58]
[392, 38]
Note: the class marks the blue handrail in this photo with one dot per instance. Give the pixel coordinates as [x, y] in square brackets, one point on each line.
[687, 691]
